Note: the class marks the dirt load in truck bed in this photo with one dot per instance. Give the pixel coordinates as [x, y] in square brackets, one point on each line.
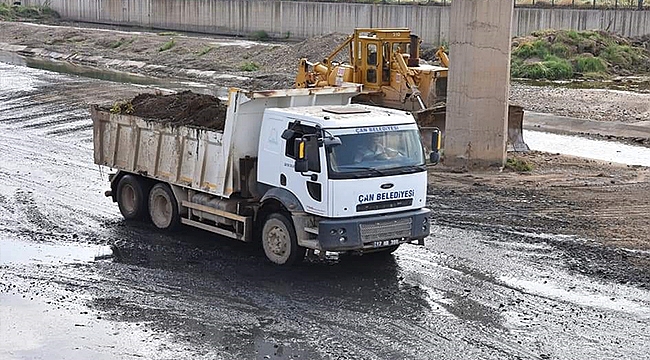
[184, 108]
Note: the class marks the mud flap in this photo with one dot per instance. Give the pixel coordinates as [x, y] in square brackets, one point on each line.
[435, 117]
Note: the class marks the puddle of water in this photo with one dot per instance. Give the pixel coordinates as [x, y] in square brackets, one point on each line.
[588, 148]
[63, 67]
[31, 329]
[16, 82]
[21, 252]
[601, 298]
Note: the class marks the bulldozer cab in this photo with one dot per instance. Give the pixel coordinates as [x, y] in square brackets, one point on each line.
[371, 51]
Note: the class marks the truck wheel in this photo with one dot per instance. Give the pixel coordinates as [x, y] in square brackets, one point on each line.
[131, 198]
[163, 208]
[279, 241]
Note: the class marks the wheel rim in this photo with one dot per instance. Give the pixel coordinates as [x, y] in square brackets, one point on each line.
[277, 243]
[128, 199]
[161, 210]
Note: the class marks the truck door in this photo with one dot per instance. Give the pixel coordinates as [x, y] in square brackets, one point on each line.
[370, 56]
[310, 186]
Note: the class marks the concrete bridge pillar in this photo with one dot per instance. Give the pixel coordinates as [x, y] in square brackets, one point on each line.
[479, 83]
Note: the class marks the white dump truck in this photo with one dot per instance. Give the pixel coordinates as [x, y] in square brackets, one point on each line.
[301, 170]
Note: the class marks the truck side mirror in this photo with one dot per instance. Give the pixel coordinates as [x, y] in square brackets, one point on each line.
[301, 165]
[332, 141]
[436, 143]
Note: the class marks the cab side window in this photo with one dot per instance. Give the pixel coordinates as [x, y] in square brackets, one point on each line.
[312, 146]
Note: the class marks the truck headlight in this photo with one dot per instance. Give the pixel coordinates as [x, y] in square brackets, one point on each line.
[343, 239]
[342, 231]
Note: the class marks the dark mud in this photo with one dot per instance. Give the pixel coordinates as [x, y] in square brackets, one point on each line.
[183, 108]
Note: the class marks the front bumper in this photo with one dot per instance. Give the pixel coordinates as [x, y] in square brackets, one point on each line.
[373, 232]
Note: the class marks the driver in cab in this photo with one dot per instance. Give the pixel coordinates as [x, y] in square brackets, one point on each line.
[374, 149]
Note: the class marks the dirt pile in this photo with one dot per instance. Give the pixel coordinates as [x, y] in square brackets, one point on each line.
[184, 108]
[566, 54]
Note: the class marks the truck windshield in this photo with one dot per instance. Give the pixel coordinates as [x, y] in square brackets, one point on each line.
[376, 154]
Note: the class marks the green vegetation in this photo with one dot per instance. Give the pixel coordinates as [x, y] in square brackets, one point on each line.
[205, 50]
[249, 66]
[122, 108]
[120, 42]
[19, 12]
[167, 33]
[168, 45]
[260, 35]
[518, 165]
[564, 54]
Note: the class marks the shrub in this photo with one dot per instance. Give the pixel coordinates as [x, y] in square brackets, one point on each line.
[117, 44]
[560, 50]
[5, 12]
[589, 64]
[538, 48]
[249, 66]
[558, 68]
[260, 35]
[205, 50]
[168, 45]
[552, 68]
[518, 165]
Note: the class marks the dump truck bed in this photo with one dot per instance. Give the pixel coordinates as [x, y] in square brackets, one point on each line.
[198, 158]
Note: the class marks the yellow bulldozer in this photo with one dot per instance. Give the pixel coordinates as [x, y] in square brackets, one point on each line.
[387, 62]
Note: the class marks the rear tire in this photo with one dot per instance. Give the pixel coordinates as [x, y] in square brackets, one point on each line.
[131, 197]
[163, 207]
[280, 242]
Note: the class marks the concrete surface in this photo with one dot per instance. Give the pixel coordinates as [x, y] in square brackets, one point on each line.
[479, 81]
[296, 19]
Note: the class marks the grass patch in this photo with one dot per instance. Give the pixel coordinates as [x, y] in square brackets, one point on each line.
[260, 35]
[590, 64]
[563, 54]
[205, 50]
[20, 12]
[249, 66]
[118, 43]
[168, 45]
[167, 33]
[518, 165]
[551, 68]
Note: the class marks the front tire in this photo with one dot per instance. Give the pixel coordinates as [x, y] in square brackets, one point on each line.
[163, 207]
[280, 242]
[131, 197]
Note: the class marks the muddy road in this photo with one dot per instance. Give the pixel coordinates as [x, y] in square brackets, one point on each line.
[78, 282]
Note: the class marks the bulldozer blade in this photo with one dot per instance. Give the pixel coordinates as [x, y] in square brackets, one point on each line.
[435, 117]
[516, 129]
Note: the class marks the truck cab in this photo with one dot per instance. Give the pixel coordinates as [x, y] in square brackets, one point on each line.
[355, 176]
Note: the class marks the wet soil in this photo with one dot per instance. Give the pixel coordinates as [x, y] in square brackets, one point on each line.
[183, 108]
[602, 209]
[549, 264]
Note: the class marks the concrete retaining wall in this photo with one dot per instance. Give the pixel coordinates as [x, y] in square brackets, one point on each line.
[297, 19]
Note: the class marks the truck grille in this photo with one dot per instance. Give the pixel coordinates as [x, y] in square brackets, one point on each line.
[386, 230]
[384, 205]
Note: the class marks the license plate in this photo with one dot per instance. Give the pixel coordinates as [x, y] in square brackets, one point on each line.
[384, 243]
